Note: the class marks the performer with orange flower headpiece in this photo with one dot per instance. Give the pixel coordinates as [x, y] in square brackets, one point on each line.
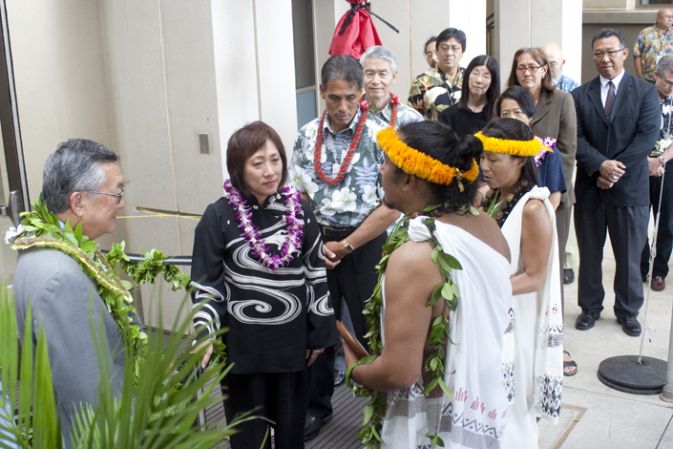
[442, 301]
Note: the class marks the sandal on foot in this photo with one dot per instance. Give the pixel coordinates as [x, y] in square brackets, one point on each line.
[569, 366]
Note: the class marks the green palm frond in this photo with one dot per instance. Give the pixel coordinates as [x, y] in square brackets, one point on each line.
[160, 410]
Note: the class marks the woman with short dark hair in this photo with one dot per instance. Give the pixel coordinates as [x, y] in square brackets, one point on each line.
[258, 270]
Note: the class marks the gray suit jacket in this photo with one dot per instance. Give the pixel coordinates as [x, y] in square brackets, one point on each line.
[65, 302]
[555, 117]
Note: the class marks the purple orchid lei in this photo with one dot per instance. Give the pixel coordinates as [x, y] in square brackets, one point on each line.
[548, 142]
[250, 231]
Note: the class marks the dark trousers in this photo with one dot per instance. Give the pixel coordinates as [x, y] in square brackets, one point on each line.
[281, 398]
[353, 280]
[665, 230]
[628, 232]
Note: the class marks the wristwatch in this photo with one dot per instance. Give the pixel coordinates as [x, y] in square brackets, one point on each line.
[347, 245]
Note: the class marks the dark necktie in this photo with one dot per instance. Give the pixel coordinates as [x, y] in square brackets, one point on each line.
[609, 99]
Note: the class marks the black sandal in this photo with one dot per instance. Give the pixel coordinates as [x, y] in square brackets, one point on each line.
[569, 366]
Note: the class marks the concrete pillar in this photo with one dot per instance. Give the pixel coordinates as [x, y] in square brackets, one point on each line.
[254, 67]
[529, 23]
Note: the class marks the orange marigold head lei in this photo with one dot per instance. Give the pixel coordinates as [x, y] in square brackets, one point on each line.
[512, 147]
[419, 164]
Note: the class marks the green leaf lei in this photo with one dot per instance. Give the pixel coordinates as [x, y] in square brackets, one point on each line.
[446, 291]
[41, 229]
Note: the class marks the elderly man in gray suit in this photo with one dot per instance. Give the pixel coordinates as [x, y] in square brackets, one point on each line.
[82, 184]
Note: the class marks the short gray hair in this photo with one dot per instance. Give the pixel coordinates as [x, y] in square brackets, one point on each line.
[380, 52]
[665, 64]
[75, 166]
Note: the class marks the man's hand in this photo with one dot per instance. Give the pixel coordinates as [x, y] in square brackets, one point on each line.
[655, 166]
[312, 355]
[334, 252]
[604, 183]
[612, 170]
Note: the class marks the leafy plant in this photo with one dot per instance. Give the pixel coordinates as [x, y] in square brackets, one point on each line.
[160, 410]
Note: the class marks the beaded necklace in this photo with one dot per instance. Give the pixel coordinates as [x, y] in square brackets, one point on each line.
[291, 199]
[495, 208]
[345, 165]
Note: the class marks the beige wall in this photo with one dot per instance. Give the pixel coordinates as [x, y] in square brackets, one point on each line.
[525, 23]
[145, 78]
[60, 77]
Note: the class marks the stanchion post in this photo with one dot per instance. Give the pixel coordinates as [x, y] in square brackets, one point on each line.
[667, 392]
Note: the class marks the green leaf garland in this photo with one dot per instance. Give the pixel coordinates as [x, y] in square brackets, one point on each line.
[42, 229]
[447, 291]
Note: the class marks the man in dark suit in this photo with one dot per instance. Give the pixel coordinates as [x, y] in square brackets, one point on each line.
[617, 126]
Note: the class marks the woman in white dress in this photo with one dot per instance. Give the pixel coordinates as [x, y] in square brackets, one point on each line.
[526, 218]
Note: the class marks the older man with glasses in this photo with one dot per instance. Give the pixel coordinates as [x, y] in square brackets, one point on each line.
[618, 119]
[82, 189]
[432, 92]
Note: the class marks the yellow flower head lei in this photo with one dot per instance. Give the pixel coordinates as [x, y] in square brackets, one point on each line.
[512, 147]
[420, 164]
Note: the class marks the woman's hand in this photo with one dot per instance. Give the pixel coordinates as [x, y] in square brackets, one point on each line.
[312, 355]
[205, 360]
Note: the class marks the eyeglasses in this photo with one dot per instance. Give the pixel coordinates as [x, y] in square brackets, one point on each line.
[119, 195]
[530, 68]
[446, 48]
[610, 53]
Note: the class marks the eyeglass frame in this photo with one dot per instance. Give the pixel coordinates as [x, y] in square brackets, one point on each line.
[528, 68]
[119, 196]
[598, 55]
[444, 48]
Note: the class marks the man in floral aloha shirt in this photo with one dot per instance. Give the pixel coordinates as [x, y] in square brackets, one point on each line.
[335, 164]
[436, 90]
[652, 43]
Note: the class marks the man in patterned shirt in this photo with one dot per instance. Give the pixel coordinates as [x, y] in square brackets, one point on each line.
[432, 92]
[335, 164]
[652, 43]
[380, 73]
[658, 167]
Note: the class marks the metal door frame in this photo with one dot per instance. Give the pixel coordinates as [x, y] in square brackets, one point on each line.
[11, 132]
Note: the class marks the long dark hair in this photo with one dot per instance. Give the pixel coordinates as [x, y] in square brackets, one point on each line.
[493, 89]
